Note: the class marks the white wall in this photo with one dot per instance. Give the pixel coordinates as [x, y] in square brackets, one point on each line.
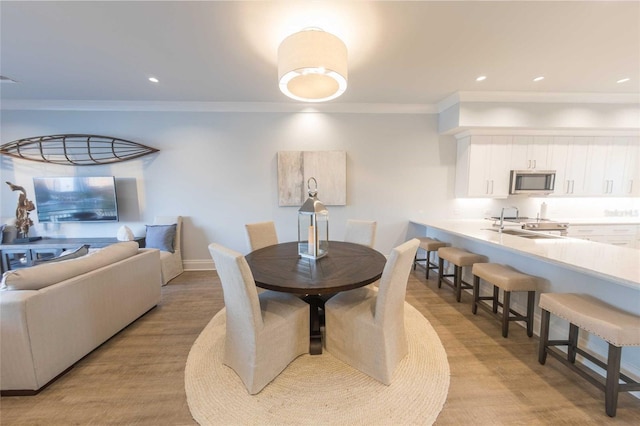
[219, 170]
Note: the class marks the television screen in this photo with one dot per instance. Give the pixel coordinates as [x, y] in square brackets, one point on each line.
[76, 199]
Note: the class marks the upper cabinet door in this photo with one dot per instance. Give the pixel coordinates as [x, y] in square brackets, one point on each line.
[482, 169]
[606, 166]
[530, 152]
[568, 157]
[499, 168]
[478, 182]
[558, 154]
[615, 167]
[631, 176]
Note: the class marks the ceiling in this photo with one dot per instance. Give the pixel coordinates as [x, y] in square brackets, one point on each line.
[400, 52]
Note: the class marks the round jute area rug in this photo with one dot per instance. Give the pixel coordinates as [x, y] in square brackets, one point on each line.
[319, 389]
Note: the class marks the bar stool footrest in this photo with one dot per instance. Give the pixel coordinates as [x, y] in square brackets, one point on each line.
[444, 278]
[515, 316]
[432, 266]
[591, 376]
[463, 285]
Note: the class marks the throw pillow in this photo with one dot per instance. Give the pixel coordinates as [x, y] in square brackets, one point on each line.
[66, 255]
[161, 237]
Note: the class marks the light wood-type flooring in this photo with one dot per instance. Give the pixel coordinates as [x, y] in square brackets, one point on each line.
[137, 377]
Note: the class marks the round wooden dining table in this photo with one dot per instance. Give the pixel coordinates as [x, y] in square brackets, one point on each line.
[346, 266]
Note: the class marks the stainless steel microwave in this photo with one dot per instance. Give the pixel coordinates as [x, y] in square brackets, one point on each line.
[532, 182]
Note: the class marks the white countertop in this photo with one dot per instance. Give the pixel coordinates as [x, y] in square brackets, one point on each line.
[617, 264]
[614, 220]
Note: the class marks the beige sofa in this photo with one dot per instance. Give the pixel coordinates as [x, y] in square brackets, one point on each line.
[52, 315]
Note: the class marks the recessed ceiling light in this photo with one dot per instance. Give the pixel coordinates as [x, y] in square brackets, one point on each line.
[538, 78]
[623, 80]
[481, 78]
[154, 80]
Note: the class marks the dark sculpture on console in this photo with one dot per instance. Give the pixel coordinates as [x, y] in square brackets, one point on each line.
[23, 221]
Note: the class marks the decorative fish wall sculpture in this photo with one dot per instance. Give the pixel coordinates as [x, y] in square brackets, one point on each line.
[75, 149]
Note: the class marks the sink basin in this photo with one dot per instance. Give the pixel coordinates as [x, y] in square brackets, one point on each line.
[525, 234]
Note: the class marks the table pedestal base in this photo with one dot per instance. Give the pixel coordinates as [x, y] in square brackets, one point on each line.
[316, 320]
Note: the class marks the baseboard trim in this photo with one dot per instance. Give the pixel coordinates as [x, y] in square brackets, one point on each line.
[198, 265]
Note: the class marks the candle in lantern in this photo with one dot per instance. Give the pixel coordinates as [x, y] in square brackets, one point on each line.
[312, 240]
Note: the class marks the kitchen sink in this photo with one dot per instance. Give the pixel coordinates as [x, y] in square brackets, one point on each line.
[525, 234]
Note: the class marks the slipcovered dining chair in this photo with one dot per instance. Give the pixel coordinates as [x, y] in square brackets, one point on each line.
[171, 261]
[261, 234]
[265, 332]
[361, 232]
[365, 327]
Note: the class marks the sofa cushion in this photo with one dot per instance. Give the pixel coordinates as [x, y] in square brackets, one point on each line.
[161, 237]
[66, 255]
[47, 274]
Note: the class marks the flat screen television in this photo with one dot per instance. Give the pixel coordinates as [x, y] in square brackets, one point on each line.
[76, 199]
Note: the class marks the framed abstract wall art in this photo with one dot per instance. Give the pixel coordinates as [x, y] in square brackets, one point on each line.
[329, 168]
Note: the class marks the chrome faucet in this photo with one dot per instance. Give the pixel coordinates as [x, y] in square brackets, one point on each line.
[502, 215]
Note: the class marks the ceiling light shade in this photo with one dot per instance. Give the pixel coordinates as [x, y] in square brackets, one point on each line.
[312, 66]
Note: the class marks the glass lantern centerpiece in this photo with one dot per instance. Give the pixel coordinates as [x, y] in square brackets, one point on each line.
[313, 226]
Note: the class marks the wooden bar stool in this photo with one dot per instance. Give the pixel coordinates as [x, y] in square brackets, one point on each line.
[508, 279]
[459, 258]
[615, 326]
[429, 245]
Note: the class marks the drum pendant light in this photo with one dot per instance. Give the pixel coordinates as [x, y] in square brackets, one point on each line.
[312, 66]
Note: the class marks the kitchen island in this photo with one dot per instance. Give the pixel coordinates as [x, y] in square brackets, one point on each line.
[566, 265]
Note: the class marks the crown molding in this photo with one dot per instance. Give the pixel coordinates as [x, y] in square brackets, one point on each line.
[263, 107]
[331, 107]
[539, 97]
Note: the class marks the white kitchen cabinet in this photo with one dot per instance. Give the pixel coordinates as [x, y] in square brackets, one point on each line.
[530, 152]
[595, 166]
[606, 164]
[483, 166]
[631, 175]
[586, 166]
[558, 154]
[568, 157]
[619, 235]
